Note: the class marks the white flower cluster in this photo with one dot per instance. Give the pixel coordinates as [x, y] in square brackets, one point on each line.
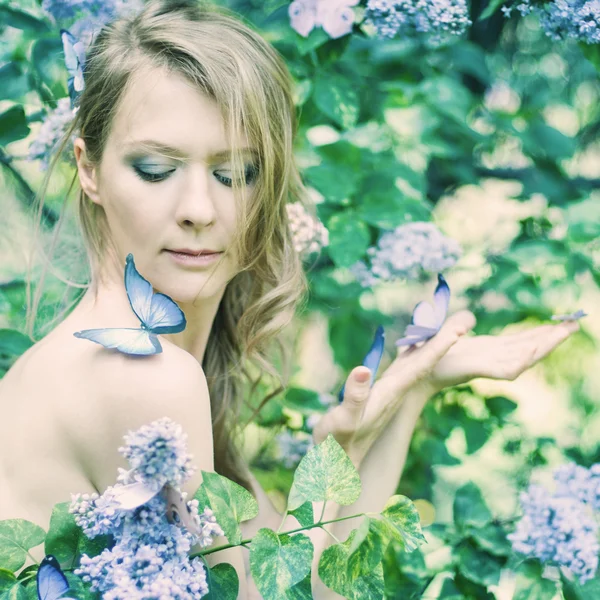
[407, 252]
[336, 17]
[309, 235]
[51, 132]
[292, 446]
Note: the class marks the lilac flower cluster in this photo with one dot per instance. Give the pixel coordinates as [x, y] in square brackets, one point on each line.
[407, 252]
[309, 234]
[51, 132]
[336, 17]
[564, 19]
[149, 558]
[562, 528]
[291, 447]
[438, 19]
[102, 11]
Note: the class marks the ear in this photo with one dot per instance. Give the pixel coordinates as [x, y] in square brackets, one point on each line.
[88, 173]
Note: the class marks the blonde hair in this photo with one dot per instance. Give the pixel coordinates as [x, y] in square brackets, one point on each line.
[225, 59]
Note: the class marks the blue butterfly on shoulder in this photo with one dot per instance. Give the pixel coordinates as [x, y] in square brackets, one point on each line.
[427, 319]
[157, 312]
[75, 62]
[51, 581]
[372, 358]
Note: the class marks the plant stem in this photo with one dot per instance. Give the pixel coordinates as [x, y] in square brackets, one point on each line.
[248, 541]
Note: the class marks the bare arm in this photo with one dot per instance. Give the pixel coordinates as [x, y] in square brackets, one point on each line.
[129, 392]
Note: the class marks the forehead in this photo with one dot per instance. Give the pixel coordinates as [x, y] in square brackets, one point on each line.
[164, 107]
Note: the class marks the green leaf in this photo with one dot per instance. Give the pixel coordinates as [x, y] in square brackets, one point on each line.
[304, 514]
[13, 342]
[349, 238]
[336, 97]
[14, 84]
[334, 571]
[303, 400]
[13, 124]
[402, 518]
[325, 473]
[470, 508]
[17, 537]
[573, 590]
[492, 538]
[7, 579]
[500, 407]
[491, 8]
[224, 583]
[19, 19]
[530, 583]
[336, 181]
[316, 38]
[230, 503]
[66, 540]
[301, 591]
[478, 565]
[278, 562]
[477, 433]
[16, 592]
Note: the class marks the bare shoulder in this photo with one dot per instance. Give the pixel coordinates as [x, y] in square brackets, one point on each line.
[126, 392]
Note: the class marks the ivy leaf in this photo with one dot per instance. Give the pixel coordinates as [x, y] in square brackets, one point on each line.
[348, 238]
[304, 514]
[470, 508]
[13, 123]
[301, 591]
[66, 540]
[17, 537]
[325, 473]
[500, 407]
[16, 592]
[402, 519]
[478, 565]
[357, 584]
[530, 583]
[230, 503]
[224, 583]
[13, 342]
[279, 562]
[492, 538]
[7, 579]
[336, 97]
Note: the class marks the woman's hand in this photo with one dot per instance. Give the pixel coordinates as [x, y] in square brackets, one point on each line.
[497, 356]
[365, 412]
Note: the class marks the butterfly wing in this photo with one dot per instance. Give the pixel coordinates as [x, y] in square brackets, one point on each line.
[51, 581]
[128, 341]
[133, 495]
[441, 299]
[372, 357]
[570, 317]
[178, 511]
[424, 315]
[157, 312]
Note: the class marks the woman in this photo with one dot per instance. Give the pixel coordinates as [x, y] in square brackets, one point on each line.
[186, 128]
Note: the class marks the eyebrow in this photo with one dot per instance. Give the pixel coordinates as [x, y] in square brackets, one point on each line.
[167, 149]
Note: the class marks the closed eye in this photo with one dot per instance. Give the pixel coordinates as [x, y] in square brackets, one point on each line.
[251, 173]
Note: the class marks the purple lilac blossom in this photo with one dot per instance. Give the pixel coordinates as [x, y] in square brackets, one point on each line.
[406, 253]
[51, 132]
[309, 235]
[580, 483]
[564, 19]
[149, 558]
[292, 446]
[558, 529]
[439, 19]
[336, 17]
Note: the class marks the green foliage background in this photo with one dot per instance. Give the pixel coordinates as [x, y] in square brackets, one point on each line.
[495, 138]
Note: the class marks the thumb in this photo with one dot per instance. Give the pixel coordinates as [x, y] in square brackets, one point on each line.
[357, 389]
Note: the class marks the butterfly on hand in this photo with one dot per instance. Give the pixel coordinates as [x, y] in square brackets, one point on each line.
[372, 358]
[134, 495]
[157, 312]
[570, 317]
[428, 319]
[51, 581]
[74, 61]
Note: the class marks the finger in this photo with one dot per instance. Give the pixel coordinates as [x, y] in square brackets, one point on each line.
[542, 331]
[552, 338]
[356, 391]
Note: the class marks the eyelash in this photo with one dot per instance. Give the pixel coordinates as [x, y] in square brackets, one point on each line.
[158, 177]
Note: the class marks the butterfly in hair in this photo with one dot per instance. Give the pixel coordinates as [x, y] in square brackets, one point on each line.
[51, 581]
[75, 62]
[427, 319]
[157, 312]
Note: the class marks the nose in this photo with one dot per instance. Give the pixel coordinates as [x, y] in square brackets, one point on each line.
[196, 206]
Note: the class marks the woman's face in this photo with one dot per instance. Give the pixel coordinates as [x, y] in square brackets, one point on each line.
[158, 199]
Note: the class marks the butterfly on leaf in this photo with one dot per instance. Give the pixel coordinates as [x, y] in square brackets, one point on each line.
[157, 312]
[427, 319]
[372, 357]
[74, 61]
[570, 317]
[51, 581]
[134, 495]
